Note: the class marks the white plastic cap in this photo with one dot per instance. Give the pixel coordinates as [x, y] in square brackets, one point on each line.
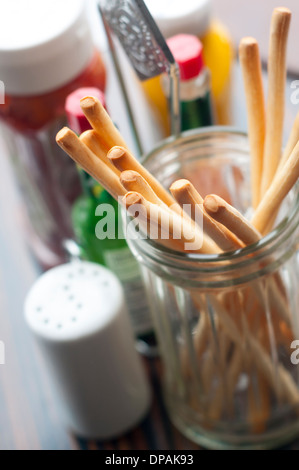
[74, 300]
[44, 44]
[181, 17]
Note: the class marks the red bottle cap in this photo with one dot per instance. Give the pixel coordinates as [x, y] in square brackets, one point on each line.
[187, 51]
[76, 119]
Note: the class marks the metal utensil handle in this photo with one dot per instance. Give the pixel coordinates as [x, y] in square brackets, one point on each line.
[122, 84]
[145, 46]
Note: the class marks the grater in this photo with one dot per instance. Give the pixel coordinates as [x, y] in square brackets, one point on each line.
[145, 46]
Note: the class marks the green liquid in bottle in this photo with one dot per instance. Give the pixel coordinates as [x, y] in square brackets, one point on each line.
[112, 251]
[197, 113]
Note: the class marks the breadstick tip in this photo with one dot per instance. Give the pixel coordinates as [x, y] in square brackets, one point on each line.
[64, 131]
[86, 134]
[179, 185]
[212, 204]
[248, 48]
[63, 136]
[129, 176]
[283, 11]
[132, 198]
[248, 41]
[281, 19]
[116, 152]
[92, 107]
[89, 102]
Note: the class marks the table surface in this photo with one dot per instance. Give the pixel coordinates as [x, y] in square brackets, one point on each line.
[28, 415]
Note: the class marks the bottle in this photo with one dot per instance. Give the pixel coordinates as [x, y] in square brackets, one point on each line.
[52, 55]
[195, 82]
[195, 17]
[112, 251]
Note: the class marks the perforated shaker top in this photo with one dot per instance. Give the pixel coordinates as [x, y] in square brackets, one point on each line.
[73, 301]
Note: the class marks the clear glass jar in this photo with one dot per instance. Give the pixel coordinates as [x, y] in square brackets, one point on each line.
[225, 323]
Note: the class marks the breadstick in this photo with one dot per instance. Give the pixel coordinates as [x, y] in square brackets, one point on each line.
[276, 95]
[131, 201]
[100, 120]
[186, 195]
[93, 141]
[133, 181]
[123, 160]
[188, 198]
[82, 155]
[167, 225]
[228, 216]
[293, 140]
[279, 379]
[282, 184]
[252, 75]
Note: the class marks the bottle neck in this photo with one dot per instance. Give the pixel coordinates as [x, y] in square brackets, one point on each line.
[192, 89]
[195, 98]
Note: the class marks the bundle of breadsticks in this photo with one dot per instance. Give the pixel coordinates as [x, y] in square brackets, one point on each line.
[103, 153]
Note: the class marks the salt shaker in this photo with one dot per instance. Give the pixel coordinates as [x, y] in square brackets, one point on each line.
[79, 319]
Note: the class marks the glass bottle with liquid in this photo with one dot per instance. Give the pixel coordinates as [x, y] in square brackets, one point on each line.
[195, 82]
[195, 17]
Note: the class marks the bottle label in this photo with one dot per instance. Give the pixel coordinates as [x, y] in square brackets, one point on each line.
[122, 263]
[126, 268]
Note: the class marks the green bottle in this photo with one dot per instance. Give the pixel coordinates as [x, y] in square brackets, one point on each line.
[106, 247]
[195, 82]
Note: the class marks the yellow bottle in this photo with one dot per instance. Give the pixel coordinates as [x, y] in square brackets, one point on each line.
[218, 56]
[195, 17]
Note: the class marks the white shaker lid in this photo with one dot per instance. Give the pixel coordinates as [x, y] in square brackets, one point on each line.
[74, 301]
[181, 17]
[44, 44]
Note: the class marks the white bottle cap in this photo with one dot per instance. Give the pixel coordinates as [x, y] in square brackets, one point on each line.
[79, 319]
[44, 44]
[181, 17]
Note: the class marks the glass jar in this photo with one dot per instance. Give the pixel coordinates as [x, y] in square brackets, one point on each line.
[225, 323]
